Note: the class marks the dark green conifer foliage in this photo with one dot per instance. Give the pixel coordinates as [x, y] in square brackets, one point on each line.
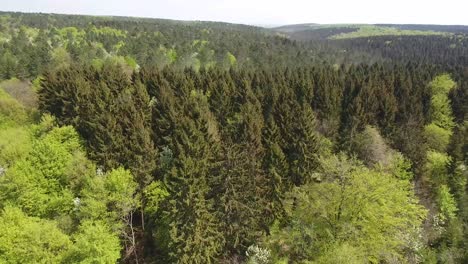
[299, 138]
[387, 103]
[276, 166]
[111, 113]
[244, 202]
[194, 229]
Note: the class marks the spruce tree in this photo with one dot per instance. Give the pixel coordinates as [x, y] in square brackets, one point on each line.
[194, 229]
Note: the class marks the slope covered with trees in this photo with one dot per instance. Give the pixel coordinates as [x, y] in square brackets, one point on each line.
[153, 141]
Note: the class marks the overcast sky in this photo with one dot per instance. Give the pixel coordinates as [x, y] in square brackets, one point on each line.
[262, 11]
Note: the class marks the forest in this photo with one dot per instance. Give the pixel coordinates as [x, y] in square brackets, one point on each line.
[137, 140]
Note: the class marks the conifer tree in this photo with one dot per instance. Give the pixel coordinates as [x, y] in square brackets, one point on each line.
[276, 166]
[300, 142]
[194, 229]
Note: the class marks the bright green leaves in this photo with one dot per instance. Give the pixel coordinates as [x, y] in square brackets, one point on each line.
[60, 58]
[440, 130]
[14, 145]
[121, 189]
[94, 243]
[25, 239]
[38, 181]
[436, 167]
[109, 197]
[12, 113]
[231, 59]
[342, 253]
[352, 209]
[447, 204]
[442, 84]
[441, 113]
[57, 209]
[154, 194]
[437, 137]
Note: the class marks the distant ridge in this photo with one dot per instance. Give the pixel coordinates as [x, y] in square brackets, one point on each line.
[312, 31]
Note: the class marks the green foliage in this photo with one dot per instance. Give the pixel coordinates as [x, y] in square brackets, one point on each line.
[94, 243]
[9, 65]
[441, 112]
[71, 33]
[373, 31]
[442, 84]
[11, 111]
[242, 146]
[154, 194]
[230, 60]
[121, 188]
[111, 142]
[301, 142]
[131, 62]
[436, 167]
[188, 186]
[15, 143]
[49, 178]
[109, 197]
[60, 58]
[107, 31]
[442, 170]
[401, 167]
[342, 253]
[36, 182]
[354, 207]
[447, 204]
[25, 239]
[437, 137]
[458, 181]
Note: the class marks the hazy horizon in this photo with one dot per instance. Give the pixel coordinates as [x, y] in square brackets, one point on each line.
[262, 12]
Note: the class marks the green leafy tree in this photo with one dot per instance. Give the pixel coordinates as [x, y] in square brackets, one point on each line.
[447, 204]
[9, 65]
[12, 113]
[60, 58]
[25, 239]
[352, 208]
[437, 137]
[94, 243]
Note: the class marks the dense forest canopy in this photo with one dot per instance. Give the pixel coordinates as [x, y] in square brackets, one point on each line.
[137, 140]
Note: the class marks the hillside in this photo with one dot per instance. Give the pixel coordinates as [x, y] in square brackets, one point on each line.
[28, 41]
[344, 31]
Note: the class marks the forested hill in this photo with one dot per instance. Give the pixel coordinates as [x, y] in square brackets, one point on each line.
[29, 43]
[33, 43]
[333, 31]
[354, 43]
[136, 140]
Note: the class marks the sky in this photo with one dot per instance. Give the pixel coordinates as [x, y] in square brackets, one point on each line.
[262, 12]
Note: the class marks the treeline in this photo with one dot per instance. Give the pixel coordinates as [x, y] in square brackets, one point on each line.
[30, 44]
[224, 153]
[444, 51]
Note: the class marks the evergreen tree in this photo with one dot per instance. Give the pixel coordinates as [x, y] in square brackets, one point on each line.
[299, 139]
[194, 229]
